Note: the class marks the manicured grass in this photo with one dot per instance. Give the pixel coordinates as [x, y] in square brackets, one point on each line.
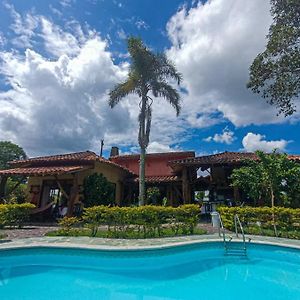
[125, 234]
[255, 230]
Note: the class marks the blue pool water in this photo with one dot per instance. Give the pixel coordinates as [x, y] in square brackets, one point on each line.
[189, 272]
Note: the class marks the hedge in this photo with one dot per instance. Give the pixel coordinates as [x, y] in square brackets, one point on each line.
[259, 220]
[148, 220]
[14, 214]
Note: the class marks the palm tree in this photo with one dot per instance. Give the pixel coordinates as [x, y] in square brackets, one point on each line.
[148, 73]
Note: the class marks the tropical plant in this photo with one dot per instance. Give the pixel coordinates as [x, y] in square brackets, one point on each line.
[8, 152]
[273, 178]
[148, 74]
[275, 73]
[98, 190]
[153, 195]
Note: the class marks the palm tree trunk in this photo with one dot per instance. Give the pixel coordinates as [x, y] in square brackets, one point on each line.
[142, 177]
[143, 146]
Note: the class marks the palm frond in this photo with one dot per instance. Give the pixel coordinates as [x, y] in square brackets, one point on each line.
[122, 90]
[166, 69]
[163, 89]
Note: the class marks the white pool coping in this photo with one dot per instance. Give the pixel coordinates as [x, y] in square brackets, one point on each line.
[134, 244]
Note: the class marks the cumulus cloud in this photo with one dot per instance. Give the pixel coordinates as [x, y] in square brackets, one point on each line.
[213, 45]
[226, 137]
[252, 142]
[61, 105]
[156, 147]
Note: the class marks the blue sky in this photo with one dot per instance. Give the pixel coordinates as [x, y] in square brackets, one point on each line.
[58, 60]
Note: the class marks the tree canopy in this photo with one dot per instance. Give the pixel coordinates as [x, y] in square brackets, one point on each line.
[8, 152]
[272, 180]
[275, 73]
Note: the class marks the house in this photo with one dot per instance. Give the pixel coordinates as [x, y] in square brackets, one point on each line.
[217, 169]
[63, 175]
[174, 185]
[50, 175]
[178, 175]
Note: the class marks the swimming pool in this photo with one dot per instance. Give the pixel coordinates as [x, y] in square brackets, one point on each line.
[199, 271]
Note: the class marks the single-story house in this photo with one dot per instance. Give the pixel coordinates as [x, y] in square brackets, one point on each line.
[178, 175]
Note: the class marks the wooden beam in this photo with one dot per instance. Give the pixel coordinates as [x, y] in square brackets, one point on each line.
[74, 194]
[61, 188]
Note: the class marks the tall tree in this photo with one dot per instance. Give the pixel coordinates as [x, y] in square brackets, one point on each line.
[273, 180]
[275, 73]
[148, 75]
[8, 152]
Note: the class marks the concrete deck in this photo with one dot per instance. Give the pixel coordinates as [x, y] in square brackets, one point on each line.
[126, 244]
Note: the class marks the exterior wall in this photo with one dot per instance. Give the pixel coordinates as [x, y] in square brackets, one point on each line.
[112, 173]
[156, 164]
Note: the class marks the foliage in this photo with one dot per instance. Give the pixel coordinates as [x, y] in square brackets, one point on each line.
[67, 225]
[149, 73]
[146, 221]
[98, 190]
[10, 152]
[259, 220]
[16, 193]
[275, 73]
[14, 214]
[152, 195]
[273, 179]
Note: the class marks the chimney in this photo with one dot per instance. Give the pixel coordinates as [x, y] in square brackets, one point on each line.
[114, 151]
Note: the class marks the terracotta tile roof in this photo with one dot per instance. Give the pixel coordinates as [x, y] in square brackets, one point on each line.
[43, 171]
[77, 156]
[154, 179]
[160, 154]
[222, 158]
[65, 160]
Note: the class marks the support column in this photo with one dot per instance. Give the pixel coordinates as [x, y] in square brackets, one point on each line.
[3, 180]
[119, 193]
[74, 194]
[186, 190]
[236, 194]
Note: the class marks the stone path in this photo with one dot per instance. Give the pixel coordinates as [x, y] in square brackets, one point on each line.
[41, 230]
[27, 232]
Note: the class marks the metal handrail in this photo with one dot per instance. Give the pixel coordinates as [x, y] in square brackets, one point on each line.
[221, 228]
[236, 223]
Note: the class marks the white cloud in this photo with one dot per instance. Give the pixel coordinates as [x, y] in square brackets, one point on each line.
[226, 137]
[60, 104]
[213, 45]
[66, 3]
[3, 40]
[252, 142]
[23, 26]
[156, 147]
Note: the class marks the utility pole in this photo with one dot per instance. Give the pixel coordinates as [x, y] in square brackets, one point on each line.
[101, 149]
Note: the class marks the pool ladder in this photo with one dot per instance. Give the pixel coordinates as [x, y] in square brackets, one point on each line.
[231, 248]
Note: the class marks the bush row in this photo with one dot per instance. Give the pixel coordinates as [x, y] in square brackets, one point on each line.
[14, 214]
[259, 220]
[149, 221]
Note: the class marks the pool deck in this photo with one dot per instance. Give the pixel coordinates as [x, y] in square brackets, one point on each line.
[133, 244]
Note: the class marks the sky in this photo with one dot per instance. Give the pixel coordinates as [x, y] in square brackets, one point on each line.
[59, 59]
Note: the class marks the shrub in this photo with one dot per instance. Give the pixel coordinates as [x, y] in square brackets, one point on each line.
[148, 220]
[14, 214]
[98, 190]
[258, 220]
